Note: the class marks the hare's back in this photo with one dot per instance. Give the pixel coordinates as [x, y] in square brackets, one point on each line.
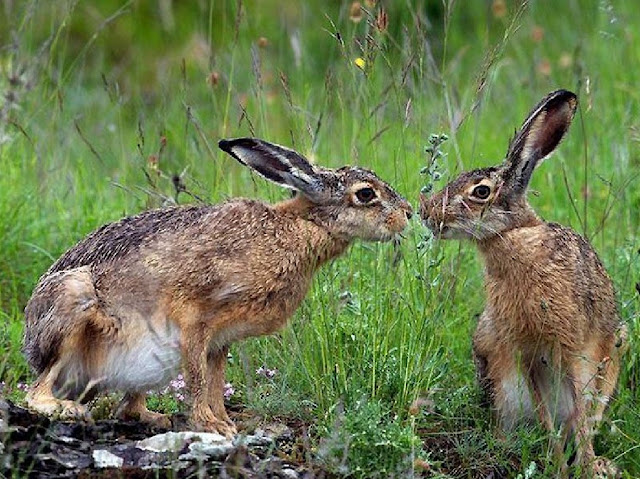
[173, 227]
[574, 253]
[589, 280]
[121, 238]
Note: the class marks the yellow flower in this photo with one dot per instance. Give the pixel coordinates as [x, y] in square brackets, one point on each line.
[360, 63]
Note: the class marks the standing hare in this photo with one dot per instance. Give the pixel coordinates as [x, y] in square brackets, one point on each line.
[122, 308]
[550, 340]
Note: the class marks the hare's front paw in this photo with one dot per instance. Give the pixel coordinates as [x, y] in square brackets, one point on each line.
[74, 410]
[153, 419]
[205, 420]
[134, 408]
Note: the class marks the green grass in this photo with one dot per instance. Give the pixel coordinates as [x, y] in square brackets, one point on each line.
[93, 93]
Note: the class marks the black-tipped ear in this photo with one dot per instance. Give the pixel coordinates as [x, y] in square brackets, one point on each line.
[278, 164]
[539, 135]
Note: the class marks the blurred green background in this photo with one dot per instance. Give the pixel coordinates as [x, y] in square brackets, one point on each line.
[109, 108]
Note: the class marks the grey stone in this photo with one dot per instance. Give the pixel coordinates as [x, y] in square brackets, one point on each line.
[53, 459]
[176, 441]
[4, 417]
[201, 451]
[174, 467]
[67, 440]
[103, 459]
[257, 439]
[287, 473]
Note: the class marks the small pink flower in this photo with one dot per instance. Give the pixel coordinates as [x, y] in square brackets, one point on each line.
[266, 372]
[178, 383]
[228, 390]
[22, 386]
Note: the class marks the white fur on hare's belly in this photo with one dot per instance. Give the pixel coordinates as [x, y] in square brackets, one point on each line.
[150, 362]
[517, 405]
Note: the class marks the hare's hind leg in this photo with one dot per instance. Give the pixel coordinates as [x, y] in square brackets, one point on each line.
[608, 371]
[56, 344]
[600, 369]
[134, 407]
[594, 376]
[582, 383]
[580, 427]
[40, 397]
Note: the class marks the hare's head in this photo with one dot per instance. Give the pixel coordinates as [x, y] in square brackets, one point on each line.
[350, 202]
[483, 203]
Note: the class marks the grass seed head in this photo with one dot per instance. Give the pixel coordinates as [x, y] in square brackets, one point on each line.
[355, 12]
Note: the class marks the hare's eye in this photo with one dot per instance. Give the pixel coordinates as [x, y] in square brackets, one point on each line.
[365, 195]
[481, 192]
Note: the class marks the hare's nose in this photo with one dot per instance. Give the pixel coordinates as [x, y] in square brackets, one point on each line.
[408, 210]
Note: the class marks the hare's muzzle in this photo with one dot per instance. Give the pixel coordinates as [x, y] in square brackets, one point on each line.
[397, 219]
[427, 207]
[406, 208]
[432, 212]
[408, 211]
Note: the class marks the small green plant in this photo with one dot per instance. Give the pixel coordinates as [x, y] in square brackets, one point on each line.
[13, 368]
[173, 397]
[369, 441]
[432, 170]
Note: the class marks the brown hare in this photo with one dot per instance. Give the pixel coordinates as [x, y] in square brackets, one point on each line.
[549, 341]
[126, 305]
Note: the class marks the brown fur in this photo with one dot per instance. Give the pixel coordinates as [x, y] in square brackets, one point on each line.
[203, 276]
[550, 339]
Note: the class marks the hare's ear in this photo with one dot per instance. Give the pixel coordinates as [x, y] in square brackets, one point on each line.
[278, 164]
[539, 135]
